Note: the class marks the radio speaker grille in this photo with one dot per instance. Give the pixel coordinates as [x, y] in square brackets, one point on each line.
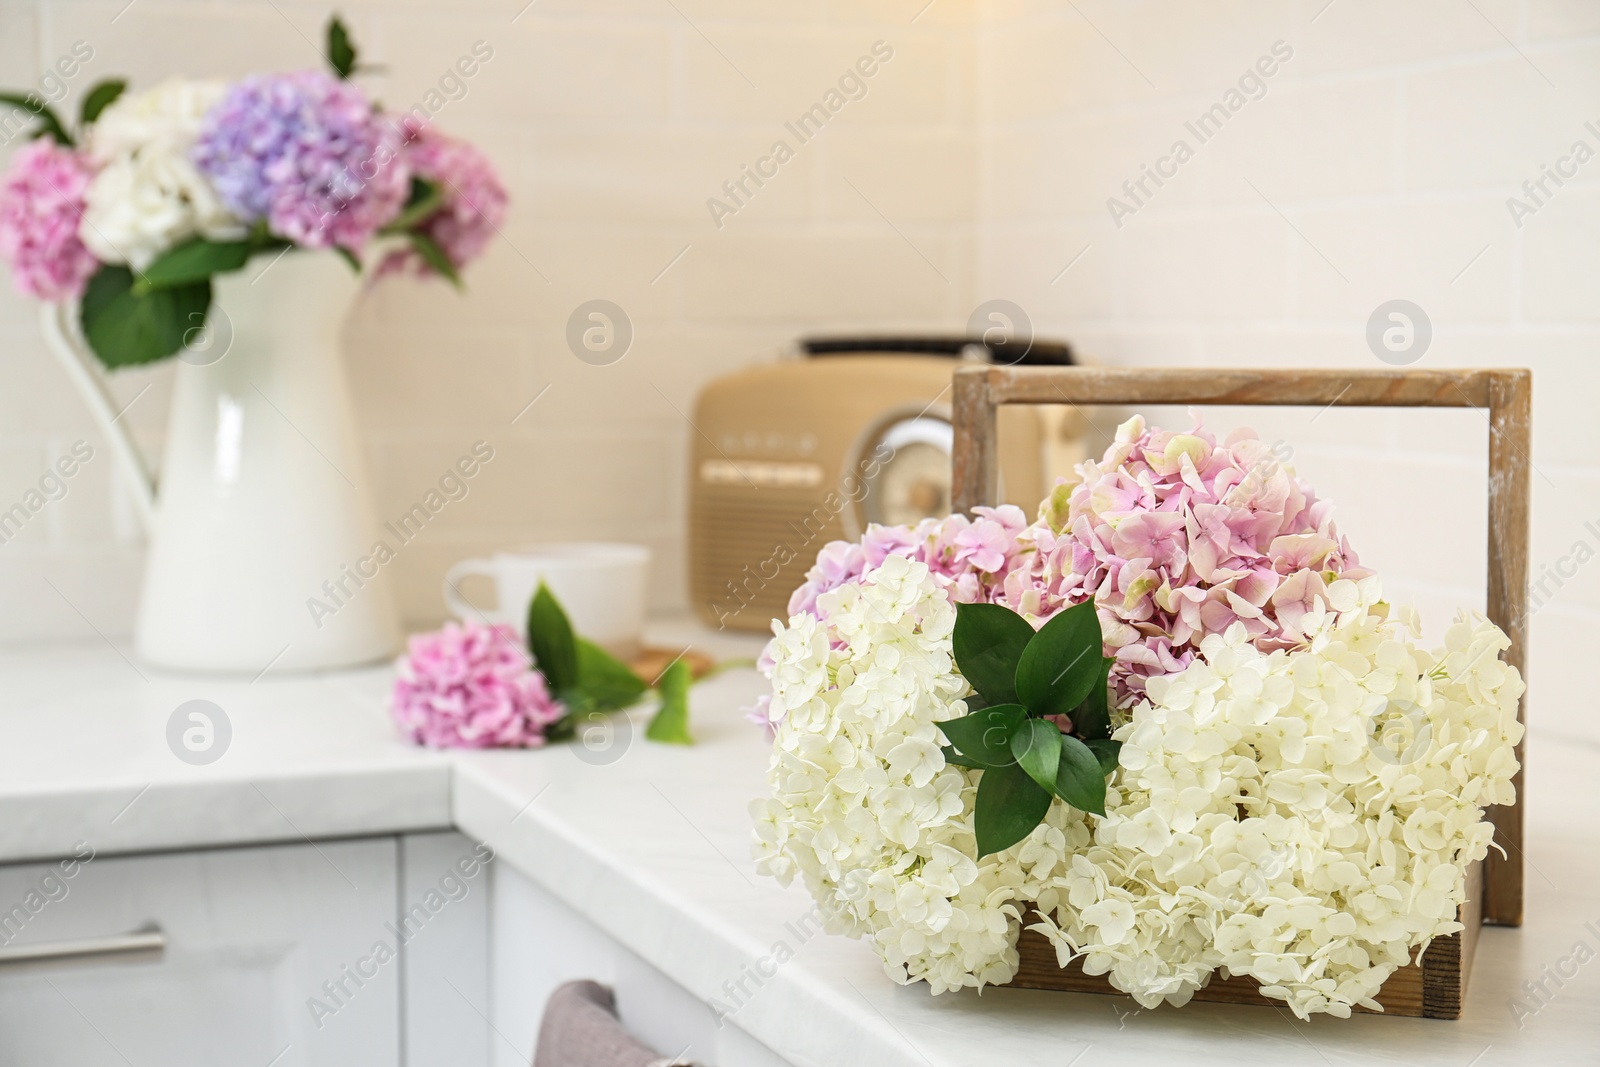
[751, 550]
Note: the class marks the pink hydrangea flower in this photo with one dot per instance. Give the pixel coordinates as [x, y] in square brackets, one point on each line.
[472, 686]
[1177, 537]
[839, 562]
[41, 208]
[971, 556]
[475, 200]
[1173, 535]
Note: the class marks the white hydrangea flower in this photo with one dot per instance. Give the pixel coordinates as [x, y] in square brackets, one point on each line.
[147, 195]
[864, 808]
[1304, 817]
[169, 112]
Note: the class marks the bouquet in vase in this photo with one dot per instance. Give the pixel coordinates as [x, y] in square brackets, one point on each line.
[134, 209]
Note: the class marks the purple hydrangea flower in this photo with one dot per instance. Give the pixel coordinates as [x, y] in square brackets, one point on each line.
[306, 152]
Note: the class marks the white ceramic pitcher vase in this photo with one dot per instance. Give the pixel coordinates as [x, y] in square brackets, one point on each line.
[262, 516]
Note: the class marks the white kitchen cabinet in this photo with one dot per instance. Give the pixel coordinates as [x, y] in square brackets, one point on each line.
[444, 910]
[537, 942]
[370, 952]
[411, 951]
[270, 958]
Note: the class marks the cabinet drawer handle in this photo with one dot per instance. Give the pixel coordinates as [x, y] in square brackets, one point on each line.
[147, 939]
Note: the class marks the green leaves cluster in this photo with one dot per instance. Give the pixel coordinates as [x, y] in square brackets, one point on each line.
[424, 200]
[50, 125]
[130, 318]
[1022, 676]
[341, 50]
[589, 681]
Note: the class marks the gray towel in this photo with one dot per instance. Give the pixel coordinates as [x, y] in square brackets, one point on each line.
[581, 1029]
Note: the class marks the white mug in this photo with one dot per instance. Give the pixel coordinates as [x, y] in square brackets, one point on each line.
[601, 586]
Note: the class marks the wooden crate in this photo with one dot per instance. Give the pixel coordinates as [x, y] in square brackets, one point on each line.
[1436, 986]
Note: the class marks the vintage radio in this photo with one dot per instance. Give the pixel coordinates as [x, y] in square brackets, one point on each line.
[796, 454]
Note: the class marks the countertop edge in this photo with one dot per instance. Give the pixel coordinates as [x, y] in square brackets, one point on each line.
[169, 816]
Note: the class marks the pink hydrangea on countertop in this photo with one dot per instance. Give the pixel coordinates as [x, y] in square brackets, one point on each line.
[41, 207]
[1176, 537]
[472, 686]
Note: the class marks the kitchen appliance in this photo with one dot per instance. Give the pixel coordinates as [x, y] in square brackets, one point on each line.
[795, 454]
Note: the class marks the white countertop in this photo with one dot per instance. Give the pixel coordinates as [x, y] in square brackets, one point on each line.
[653, 848]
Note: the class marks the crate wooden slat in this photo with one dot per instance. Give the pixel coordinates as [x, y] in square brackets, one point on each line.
[1436, 986]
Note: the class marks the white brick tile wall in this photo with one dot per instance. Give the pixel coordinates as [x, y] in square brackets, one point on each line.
[156, 40]
[67, 592]
[1559, 19]
[1561, 255]
[1517, 126]
[982, 157]
[1308, 140]
[865, 272]
[912, 178]
[1355, 35]
[1387, 146]
[1207, 268]
[1416, 249]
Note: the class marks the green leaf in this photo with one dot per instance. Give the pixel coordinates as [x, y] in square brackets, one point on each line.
[671, 723]
[1037, 748]
[566, 727]
[1062, 662]
[100, 97]
[349, 257]
[434, 256]
[1092, 718]
[985, 735]
[124, 328]
[341, 52]
[194, 260]
[49, 123]
[424, 200]
[1009, 805]
[987, 640]
[604, 682]
[1106, 751]
[956, 759]
[550, 639]
[1080, 781]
